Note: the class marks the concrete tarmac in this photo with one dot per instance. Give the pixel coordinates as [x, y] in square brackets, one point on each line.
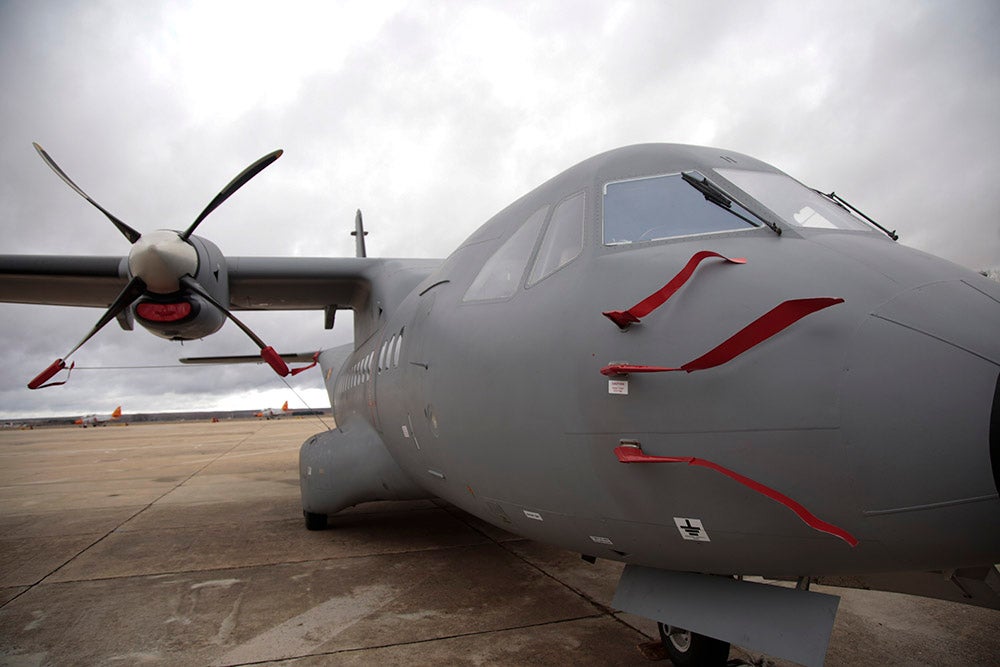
[183, 544]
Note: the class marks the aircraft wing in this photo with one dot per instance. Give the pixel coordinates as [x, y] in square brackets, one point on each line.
[255, 283]
[299, 283]
[61, 280]
[206, 287]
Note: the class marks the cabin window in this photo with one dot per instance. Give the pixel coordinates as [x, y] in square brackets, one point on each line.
[396, 350]
[501, 275]
[563, 240]
[791, 201]
[661, 207]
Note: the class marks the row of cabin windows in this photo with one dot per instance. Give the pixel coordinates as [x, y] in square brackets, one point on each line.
[360, 372]
[388, 357]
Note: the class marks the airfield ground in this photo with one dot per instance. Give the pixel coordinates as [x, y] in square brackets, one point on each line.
[184, 544]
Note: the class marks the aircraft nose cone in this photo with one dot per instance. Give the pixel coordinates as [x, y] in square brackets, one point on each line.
[919, 411]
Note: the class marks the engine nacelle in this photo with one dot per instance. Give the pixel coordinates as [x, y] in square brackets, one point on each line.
[184, 315]
[180, 316]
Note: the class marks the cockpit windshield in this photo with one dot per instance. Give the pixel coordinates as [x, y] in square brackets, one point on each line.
[794, 203]
[659, 207]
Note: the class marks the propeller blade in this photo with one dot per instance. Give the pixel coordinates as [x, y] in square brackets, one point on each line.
[132, 291]
[126, 231]
[233, 186]
[192, 284]
[267, 352]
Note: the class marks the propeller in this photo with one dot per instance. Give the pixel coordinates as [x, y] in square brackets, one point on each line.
[159, 263]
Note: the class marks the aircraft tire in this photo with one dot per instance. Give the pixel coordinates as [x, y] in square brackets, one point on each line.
[315, 521]
[689, 649]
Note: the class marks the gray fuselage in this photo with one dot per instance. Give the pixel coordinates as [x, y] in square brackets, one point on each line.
[873, 415]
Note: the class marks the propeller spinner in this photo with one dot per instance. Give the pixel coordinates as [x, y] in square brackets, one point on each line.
[161, 263]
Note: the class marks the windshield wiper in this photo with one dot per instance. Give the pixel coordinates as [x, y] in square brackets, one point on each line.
[714, 194]
[843, 203]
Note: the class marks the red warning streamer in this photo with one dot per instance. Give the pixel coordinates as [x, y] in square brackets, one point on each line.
[301, 369]
[770, 323]
[623, 318]
[39, 381]
[278, 364]
[633, 454]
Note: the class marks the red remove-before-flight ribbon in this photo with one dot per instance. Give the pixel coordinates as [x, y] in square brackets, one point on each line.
[302, 369]
[770, 323]
[39, 381]
[634, 454]
[278, 364]
[623, 318]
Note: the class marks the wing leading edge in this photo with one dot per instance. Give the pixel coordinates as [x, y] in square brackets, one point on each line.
[254, 283]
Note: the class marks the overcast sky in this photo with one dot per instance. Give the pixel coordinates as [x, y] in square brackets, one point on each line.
[431, 117]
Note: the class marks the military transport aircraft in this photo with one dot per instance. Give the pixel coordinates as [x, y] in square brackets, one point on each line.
[673, 356]
[97, 420]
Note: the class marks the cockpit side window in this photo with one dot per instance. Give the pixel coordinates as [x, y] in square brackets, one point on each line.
[793, 202]
[501, 275]
[563, 240]
[660, 207]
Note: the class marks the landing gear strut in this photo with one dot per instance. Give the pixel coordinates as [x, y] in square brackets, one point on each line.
[689, 649]
[314, 521]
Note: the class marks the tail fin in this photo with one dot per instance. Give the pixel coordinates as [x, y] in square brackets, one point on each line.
[284, 408]
[117, 413]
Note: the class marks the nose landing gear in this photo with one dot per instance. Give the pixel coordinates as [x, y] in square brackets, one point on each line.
[689, 649]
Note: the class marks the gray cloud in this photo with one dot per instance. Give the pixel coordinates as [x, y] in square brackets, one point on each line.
[432, 116]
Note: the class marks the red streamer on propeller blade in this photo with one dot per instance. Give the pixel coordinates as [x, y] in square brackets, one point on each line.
[48, 373]
[275, 361]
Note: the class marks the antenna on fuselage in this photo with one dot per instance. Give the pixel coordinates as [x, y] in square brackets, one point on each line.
[359, 235]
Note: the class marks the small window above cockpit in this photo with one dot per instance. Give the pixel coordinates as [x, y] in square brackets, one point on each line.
[501, 275]
[640, 210]
[563, 240]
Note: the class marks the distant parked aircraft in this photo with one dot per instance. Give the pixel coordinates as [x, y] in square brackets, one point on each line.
[97, 420]
[270, 413]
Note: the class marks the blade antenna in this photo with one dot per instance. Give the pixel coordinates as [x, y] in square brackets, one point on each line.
[359, 235]
[132, 291]
[241, 179]
[129, 233]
